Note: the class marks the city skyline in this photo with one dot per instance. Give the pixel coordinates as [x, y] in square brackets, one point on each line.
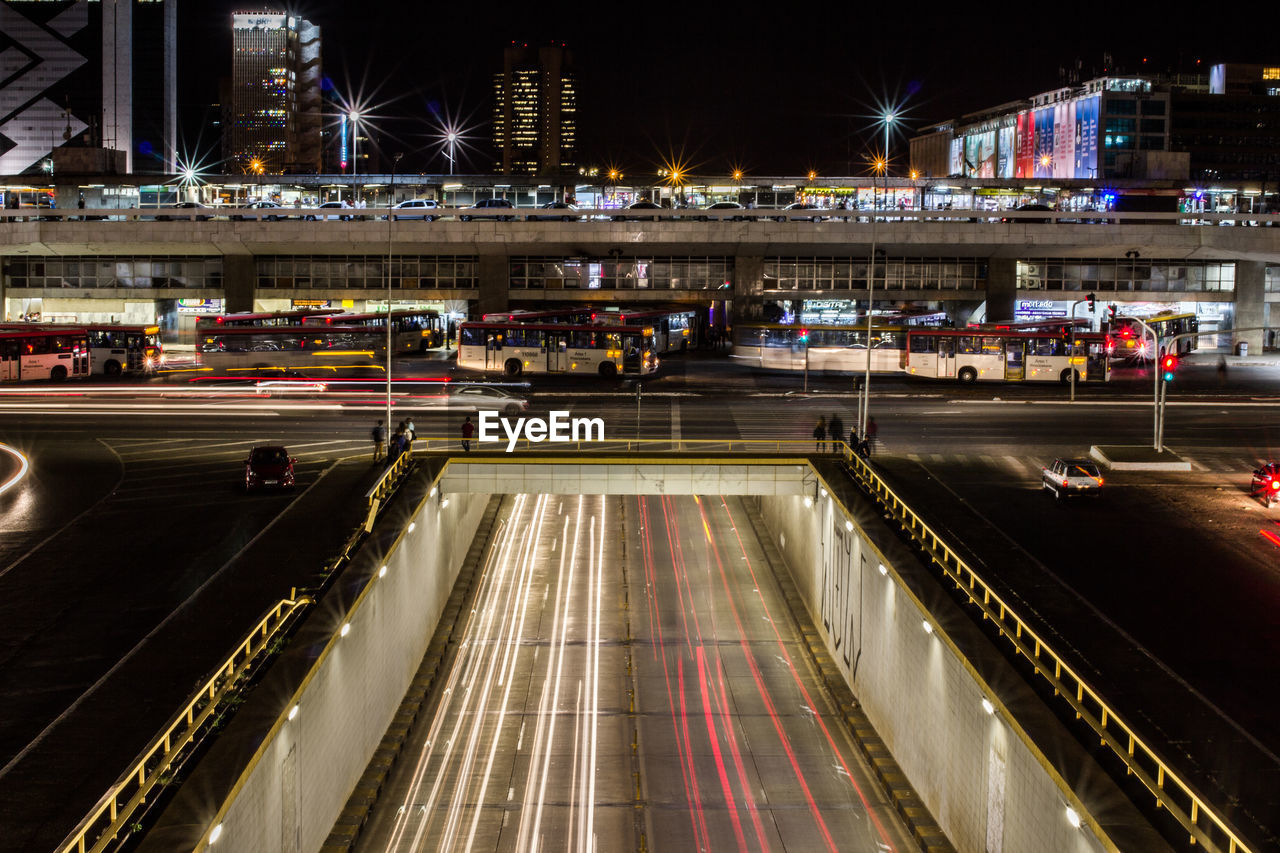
[699, 90]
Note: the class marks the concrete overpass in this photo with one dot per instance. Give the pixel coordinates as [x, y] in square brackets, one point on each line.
[481, 255]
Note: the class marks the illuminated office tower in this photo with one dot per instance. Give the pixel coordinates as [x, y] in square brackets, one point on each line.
[535, 111]
[274, 114]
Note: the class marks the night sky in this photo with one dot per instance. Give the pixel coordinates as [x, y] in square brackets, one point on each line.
[713, 86]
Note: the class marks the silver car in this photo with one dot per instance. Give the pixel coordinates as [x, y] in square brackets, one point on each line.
[486, 398]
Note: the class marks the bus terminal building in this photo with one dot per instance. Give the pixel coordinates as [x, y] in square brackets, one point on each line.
[974, 264]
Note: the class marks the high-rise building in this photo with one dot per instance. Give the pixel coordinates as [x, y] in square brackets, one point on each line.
[71, 77]
[274, 105]
[535, 111]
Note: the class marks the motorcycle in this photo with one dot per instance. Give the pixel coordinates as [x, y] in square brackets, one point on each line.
[1266, 483]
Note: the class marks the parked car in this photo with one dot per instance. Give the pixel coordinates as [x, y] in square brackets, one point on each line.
[489, 204]
[1070, 477]
[640, 205]
[269, 466]
[566, 216]
[262, 205]
[188, 206]
[418, 205]
[724, 205]
[331, 205]
[800, 205]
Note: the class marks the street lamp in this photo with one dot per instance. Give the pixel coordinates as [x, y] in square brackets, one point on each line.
[391, 197]
[354, 118]
[452, 140]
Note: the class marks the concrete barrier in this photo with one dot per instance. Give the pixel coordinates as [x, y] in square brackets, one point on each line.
[997, 771]
[289, 760]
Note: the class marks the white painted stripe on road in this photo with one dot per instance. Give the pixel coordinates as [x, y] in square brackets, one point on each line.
[675, 421]
[1017, 465]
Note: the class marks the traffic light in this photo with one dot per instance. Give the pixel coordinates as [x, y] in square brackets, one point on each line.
[1066, 333]
[1090, 299]
[1168, 366]
[1111, 313]
[804, 336]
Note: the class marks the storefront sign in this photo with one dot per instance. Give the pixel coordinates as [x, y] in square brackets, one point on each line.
[199, 306]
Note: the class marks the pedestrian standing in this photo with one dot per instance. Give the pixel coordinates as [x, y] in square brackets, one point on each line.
[468, 430]
[835, 427]
[378, 434]
[820, 434]
[872, 431]
[1222, 370]
[410, 432]
[396, 446]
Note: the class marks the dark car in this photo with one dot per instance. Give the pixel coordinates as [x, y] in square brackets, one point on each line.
[268, 467]
[489, 204]
[1029, 207]
[185, 206]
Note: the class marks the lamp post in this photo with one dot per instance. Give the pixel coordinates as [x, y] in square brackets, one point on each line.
[354, 118]
[883, 166]
[452, 139]
[391, 197]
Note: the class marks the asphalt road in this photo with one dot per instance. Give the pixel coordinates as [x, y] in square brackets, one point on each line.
[1175, 562]
[630, 679]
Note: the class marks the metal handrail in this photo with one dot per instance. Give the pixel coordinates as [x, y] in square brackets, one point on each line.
[109, 816]
[799, 447]
[1114, 732]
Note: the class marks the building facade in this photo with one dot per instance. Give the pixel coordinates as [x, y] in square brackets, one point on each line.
[88, 75]
[535, 111]
[273, 109]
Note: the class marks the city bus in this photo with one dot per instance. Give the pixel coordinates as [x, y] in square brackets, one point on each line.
[412, 329]
[276, 349]
[114, 349]
[28, 355]
[514, 348]
[774, 346]
[258, 320]
[673, 329]
[1134, 344]
[967, 355]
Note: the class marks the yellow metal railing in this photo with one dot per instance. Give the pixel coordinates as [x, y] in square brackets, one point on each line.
[385, 487]
[1203, 824]
[114, 812]
[797, 447]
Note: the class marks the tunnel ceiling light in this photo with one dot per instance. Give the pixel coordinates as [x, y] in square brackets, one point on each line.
[432, 493]
[346, 629]
[412, 525]
[987, 706]
[1073, 818]
[928, 629]
[215, 834]
[883, 570]
[444, 503]
[848, 525]
[382, 572]
[824, 492]
[808, 501]
[293, 712]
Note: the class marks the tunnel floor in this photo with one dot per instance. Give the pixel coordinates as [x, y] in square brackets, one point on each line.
[645, 637]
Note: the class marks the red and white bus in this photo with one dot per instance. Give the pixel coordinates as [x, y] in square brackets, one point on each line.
[259, 320]
[36, 354]
[274, 349]
[114, 349]
[412, 329]
[514, 348]
[971, 355]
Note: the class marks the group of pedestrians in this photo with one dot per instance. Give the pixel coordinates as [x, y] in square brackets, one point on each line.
[833, 431]
[401, 441]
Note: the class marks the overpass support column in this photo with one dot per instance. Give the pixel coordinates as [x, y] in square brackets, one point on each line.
[748, 288]
[1002, 288]
[239, 281]
[493, 284]
[1251, 305]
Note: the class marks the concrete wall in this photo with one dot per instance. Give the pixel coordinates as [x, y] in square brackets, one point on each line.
[566, 478]
[988, 785]
[350, 689]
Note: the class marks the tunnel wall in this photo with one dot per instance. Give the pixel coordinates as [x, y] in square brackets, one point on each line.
[294, 776]
[984, 778]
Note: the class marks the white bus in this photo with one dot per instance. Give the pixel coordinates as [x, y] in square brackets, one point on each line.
[970, 355]
[36, 354]
[275, 349]
[412, 329]
[772, 346]
[514, 348]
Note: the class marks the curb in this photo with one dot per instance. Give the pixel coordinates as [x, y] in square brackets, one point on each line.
[924, 829]
[355, 814]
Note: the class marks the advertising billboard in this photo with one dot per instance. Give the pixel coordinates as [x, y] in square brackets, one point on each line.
[1006, 152]
[1026, 155]
[980, 154]
[1044, 143]
[1064, 140]
[956, 164]
[1086, 134]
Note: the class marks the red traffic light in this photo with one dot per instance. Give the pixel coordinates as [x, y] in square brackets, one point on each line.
[1169, 362]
